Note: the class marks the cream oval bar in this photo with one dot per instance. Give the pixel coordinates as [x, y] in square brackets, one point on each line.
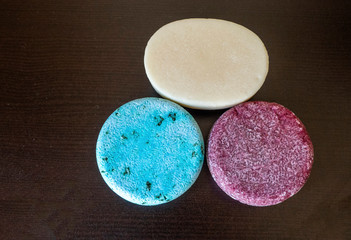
[150, 151]
[206, 63]
[259, 153]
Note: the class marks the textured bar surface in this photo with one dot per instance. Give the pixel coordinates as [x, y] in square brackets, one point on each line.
[260, 153]
[150, 151]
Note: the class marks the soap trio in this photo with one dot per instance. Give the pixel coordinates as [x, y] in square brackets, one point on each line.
[150, 151]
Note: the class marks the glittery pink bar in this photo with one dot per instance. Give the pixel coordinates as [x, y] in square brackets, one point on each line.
[260, 153]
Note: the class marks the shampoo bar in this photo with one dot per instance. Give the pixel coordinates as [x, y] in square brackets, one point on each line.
[150, 151]
[259, 153]
[206, 63]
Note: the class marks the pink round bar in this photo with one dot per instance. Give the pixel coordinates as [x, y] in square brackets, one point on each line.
[259, 153]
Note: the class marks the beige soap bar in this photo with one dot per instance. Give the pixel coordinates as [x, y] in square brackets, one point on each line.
[206, 63]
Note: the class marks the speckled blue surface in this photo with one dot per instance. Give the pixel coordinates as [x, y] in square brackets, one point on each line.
[150, 151]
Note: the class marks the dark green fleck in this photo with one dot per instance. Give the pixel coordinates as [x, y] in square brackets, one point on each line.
[195, 144]
[148, 185]
[147, 142]
[158, 196]
[124, 137]
[103, 171]
[159, 120]
[193, 154]
[143, 203]
[107, 132]
[105, 159]
[173, 116]
[135, 133]
[116, 113]
[173, 186]
[126, 171]
[112, 170]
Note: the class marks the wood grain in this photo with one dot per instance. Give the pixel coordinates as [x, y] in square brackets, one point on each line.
[66, 65]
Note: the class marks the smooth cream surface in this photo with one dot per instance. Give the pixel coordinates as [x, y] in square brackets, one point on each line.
[206, 63]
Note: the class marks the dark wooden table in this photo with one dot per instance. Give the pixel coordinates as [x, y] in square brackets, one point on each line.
[66, 65]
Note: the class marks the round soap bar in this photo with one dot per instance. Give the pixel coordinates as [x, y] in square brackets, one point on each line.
[259, 153]
[206, 63]
[150, 151]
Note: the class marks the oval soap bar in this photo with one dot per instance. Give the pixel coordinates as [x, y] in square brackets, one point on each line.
[259, 153]
[150, 151]
[206, 63]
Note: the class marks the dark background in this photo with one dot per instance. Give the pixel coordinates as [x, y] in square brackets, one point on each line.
[66, 65]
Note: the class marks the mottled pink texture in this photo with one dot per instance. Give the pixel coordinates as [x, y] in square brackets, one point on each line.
[259, 153]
